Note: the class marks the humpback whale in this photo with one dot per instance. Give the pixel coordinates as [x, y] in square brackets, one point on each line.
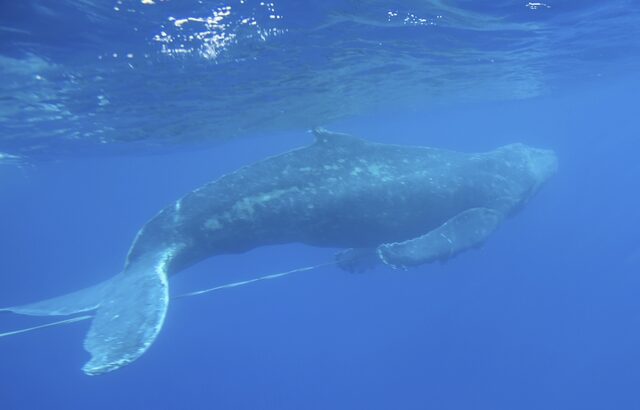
[394, 205]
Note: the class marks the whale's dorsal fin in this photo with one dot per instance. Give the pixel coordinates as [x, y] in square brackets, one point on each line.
[328, 138]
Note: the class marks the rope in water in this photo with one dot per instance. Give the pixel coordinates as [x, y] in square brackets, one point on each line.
[246, 282]
[61, 322]
[184, 295]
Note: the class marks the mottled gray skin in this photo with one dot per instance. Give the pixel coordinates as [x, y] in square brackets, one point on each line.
[404, 206]
[342, 192]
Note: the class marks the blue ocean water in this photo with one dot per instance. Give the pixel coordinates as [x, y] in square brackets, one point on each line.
[104, 120]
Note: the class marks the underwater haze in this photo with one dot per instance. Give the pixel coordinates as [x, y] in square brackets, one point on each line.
[112, 109]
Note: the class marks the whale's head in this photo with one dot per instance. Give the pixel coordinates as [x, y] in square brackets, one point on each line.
[528, 168]
[542, 163]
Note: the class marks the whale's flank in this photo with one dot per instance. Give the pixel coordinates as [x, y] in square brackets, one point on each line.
[399, 205]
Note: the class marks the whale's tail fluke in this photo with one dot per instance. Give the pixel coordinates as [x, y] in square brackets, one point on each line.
[129, 319]
[84, 300]
[129, 312]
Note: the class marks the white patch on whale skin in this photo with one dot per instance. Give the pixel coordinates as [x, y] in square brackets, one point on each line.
[331, 167]
[245, 208]
[381, 171]
[177, 216]
[213, 224]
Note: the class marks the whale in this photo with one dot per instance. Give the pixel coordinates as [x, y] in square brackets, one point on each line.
[383, 204]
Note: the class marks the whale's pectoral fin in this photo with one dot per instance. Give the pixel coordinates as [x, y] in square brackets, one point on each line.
[468, 229]
[357, 260]
[129, 318]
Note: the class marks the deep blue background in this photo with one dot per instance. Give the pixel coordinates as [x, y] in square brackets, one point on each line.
[544, 316]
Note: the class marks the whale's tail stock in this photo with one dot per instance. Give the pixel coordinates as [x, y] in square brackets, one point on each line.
[129, 310]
